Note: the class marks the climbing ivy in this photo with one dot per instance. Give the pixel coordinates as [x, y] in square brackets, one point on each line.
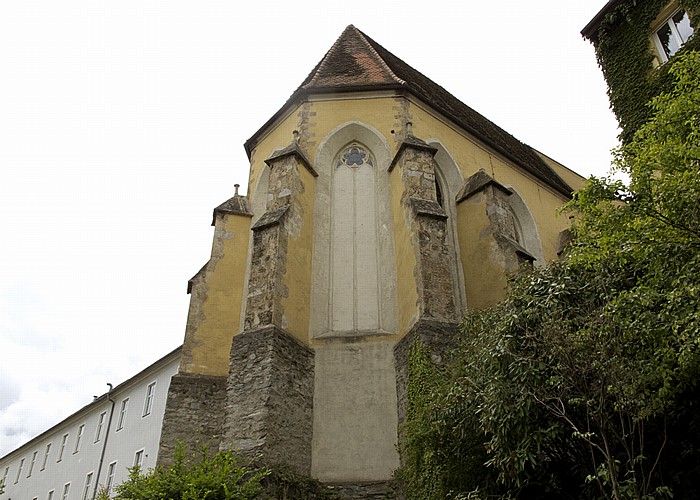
[623, 54]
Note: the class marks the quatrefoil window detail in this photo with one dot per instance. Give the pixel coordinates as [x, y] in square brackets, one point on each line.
[354, 156]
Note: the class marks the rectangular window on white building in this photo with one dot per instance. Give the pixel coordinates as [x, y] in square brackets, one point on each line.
[4, 476]
[110, 476]
[46, 456]
[100, 423]
[66, 490]
[31, 464]
[78, 437]
[148, 402]
[138, 459]
[62, 447]
[122, 413]
[19, 471]
[50, 495]
[88, 485]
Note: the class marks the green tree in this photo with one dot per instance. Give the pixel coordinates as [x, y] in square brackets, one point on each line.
[222, 476]
[583, 382]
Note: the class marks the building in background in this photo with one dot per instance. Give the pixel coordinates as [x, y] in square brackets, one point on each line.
[96, 445]
[636, 43]
[379, 209]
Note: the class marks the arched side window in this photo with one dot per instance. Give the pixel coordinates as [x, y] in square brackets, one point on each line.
[354, 294]
[524, 228]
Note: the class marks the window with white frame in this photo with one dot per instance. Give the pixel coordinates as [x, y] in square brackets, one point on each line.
[122, 413]
[148, 402]
[672, 34]
[50, 495]
[110, 476]
[62, 447]
[19, 471]
[46, 456]
[78, 437]
[66, 490]
[31, 464]
[100, 423]
[138, 459]
[88, 484]
[4, 476]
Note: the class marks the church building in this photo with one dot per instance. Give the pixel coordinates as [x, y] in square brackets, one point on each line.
[379, 209]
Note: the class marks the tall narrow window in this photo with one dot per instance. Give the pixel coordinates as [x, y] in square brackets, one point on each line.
[50, 495]
[88, 484]
[122, 413]
[78, 438]
[110, 476]
[4, 476]
[138, 458]
[62, 447]
[19, 471]
[66, 490]
[31, 464]
[100, 423]
[46, 456]
[148, 402]
[354, 282]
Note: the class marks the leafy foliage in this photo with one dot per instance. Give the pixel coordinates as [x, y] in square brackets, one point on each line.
[221, 476]
[583, 382]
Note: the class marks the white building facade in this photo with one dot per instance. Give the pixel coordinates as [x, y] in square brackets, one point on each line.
[94, 447]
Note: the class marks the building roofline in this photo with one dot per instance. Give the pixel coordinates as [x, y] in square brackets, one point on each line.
[99, 400]
[590, 31]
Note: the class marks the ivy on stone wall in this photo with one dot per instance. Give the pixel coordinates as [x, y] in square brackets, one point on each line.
[624, 56]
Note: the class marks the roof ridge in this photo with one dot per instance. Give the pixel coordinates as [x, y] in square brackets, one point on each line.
[386, 66]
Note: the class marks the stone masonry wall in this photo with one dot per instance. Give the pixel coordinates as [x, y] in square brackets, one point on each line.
[269, 407]
[193, 414]
[438, 336]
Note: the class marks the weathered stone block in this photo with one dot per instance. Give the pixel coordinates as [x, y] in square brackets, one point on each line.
[269, 406]
[194, 414]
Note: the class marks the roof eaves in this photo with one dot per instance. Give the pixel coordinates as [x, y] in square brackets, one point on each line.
[590, 31]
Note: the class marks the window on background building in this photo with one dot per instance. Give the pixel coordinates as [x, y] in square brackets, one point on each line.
[50, 495]
[88, 484]
[31, 464]
[19, 471]
[78, 437]
[138, 458]
[122, 413]
[62, 447]
[66, 490]
[148, 403]
[4, 476]
[110, 476]
[100, 423]
[46, 456]
[672, 34]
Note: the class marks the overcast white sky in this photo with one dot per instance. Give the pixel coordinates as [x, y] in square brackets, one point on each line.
[122, 126]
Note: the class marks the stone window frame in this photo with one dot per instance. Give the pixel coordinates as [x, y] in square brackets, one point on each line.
[526, 225]
[328, 150]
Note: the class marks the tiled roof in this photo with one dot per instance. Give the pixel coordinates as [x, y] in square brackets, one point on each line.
[355, 62]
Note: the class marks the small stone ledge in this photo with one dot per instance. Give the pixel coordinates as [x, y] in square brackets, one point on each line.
[270, 218]
[477, 183]
[507, 243]
[428, 208]
[378, 490]
[412, 142]
[292, 150]
[193, 280]
[238, 205]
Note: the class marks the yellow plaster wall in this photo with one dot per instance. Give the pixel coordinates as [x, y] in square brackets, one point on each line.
[222, 306]
[297, 276]
[470, 157]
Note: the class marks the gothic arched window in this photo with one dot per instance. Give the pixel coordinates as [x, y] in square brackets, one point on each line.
[354, 280]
